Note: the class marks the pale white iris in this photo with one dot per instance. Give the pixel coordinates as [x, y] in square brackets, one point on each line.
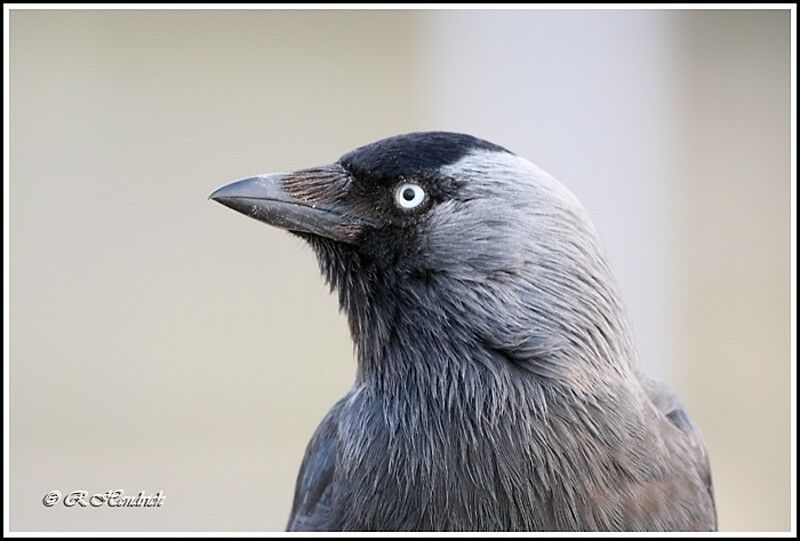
[409, 196]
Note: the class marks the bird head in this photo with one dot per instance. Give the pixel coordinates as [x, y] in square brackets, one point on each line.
[450, 237]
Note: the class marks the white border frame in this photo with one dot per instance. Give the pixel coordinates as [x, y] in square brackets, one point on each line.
[6, 256]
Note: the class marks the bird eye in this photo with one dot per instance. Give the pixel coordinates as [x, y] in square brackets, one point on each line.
[409, 196]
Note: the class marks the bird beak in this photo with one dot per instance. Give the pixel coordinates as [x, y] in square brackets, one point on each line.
[308, 201]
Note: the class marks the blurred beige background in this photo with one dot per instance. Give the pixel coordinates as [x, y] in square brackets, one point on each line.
[162, 342]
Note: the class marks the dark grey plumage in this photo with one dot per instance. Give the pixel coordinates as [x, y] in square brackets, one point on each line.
[497, 384]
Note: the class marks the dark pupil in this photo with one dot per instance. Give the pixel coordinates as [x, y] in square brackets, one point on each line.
[408, 194]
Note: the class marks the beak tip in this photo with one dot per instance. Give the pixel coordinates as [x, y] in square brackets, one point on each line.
[216, 194]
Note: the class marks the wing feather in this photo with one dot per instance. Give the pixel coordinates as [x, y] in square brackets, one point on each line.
[315, 488]
[668, 403]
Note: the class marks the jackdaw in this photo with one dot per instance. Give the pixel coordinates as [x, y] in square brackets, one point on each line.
[497, 383]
